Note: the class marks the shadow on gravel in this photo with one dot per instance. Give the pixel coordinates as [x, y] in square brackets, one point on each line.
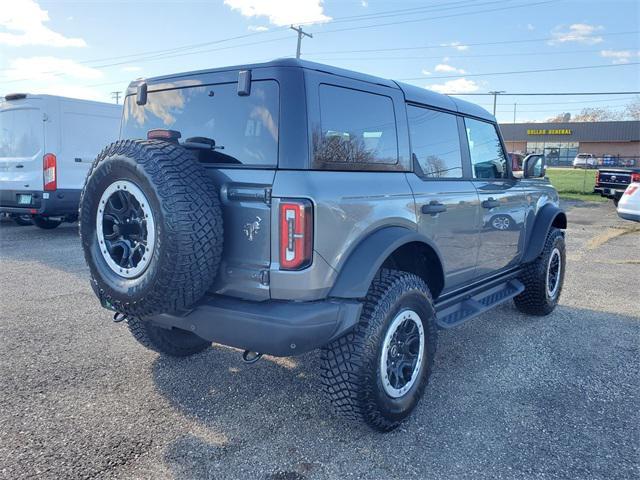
[510, 396]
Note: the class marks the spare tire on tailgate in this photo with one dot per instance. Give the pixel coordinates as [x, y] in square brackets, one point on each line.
[151, 227]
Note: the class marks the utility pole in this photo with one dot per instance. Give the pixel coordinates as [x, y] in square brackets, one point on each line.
[301, 33]
[514, 112]
[495, 94]
[116, 97]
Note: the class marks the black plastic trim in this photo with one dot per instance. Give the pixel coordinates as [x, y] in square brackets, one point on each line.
[60, 202]
[272, 327]
[544, 219]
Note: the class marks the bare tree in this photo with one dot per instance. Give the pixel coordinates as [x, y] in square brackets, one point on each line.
[633, 109]
[597, 114]
[560, 118]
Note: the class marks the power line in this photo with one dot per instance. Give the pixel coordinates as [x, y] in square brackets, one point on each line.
[515, 72]
[475, 44]
[436, 18]
[548, 93]
[480, 55]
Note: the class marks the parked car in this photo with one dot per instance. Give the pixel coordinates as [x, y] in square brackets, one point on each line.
[288, 206]
[612, 182]
[629, 205]
[47, 144]
[585, 160]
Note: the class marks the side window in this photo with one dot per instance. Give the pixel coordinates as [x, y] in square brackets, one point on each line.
[487, 157]
[357, 129]
[435, 142]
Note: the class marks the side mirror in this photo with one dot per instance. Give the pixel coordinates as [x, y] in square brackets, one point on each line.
[534, 166]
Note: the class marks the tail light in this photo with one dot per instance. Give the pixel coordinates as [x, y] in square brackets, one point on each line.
[597, 176]
[630, 190]
[49, 172]
[635, 178]
[296, 234]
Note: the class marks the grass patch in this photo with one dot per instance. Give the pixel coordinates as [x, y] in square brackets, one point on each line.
[584, 197]
[575, 184]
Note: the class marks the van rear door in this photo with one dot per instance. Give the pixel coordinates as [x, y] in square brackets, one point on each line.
[21, 145]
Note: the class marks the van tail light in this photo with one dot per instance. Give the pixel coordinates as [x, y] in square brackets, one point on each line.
[635, 178]
[296, 234]
[49, 172]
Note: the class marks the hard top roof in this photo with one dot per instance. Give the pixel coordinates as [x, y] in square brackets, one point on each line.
[411, 92]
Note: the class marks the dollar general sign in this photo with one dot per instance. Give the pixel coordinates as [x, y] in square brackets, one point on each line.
[549, 131]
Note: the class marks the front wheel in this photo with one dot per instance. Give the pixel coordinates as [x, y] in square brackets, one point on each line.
[543, 278]
[45, 223]
[377, 373]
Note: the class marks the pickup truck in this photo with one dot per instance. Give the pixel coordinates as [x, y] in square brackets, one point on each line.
[612, 182]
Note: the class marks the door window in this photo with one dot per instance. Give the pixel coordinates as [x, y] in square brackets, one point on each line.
[357, 130]
[487, 155]
[435, 142]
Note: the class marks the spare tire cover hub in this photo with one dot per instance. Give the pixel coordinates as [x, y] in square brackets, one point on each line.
[125, 229]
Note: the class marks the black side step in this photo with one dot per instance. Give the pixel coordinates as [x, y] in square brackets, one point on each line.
[453, 313]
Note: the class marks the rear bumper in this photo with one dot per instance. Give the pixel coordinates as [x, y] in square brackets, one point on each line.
[60, 202]
[610, 192]
[633, 216]
[272, 327]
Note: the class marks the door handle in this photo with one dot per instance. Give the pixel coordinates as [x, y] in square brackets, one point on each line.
[491, 203]
[434, 207]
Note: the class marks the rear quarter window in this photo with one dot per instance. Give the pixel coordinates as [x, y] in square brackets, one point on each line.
[244, 128]
[357, 130]
[21, 132]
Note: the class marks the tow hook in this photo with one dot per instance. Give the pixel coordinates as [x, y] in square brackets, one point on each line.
[119, 317]
[251, 357]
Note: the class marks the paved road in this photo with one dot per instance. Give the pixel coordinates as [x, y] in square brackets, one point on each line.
[511, 396]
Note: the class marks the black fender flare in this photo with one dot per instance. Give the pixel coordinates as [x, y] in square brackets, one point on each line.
[360, 268]
[549, 215]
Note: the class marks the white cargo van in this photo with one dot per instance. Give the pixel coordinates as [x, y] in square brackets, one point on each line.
[47, 145]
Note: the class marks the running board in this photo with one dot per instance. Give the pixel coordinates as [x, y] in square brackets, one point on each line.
[456, 311]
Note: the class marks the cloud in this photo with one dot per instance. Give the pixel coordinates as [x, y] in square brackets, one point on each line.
[457, 45]
[577, 32]
[620, 56]
[443, 67]
[364, 3]
[46, 68]
[23, 24]
[426, 72]
[530, 27]
[257, 28]
[131, 68]
[460, 85]
[282, 12]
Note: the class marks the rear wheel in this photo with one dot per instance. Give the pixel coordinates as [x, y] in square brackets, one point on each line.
[378, 372]
[45, 223]
[23, 220]
[173, 342]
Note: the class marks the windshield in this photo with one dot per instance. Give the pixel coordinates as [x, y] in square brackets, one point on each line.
[20, 132]
[244, 128]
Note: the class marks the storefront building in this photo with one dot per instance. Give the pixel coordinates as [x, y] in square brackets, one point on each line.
[611, 143]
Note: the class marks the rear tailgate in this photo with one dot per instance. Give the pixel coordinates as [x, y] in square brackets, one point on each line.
[21, 145]
[617, 179]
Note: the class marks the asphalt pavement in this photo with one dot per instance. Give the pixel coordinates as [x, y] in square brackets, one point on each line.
[511, 396]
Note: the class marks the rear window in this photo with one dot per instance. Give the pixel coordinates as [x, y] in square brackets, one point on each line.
[20, 132]
[357, 130]
[244, 128]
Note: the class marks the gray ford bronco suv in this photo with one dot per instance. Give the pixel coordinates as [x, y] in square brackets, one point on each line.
[290, 206]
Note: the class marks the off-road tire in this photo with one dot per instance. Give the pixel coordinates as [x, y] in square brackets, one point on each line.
[350, 365]
[45, 223]
[535, 299]
[23, 220]
[173, 342]
[188, 227]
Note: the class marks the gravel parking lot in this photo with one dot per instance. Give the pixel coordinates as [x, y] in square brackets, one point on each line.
[511, 396]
